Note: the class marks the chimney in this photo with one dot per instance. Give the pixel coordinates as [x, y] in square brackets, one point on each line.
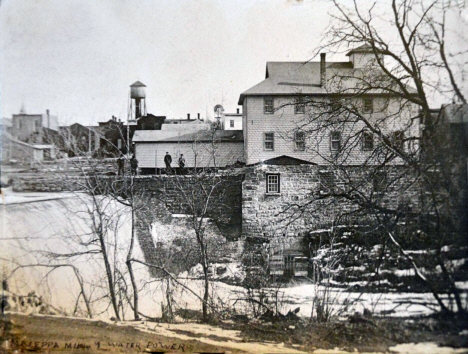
[198, 116]
[323, 69]
[48, 118]
[237, 110]
[188, 116]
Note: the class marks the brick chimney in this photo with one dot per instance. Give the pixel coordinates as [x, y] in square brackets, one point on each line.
[323, 69]
[237, 110]
[188, 116]
[198, 116]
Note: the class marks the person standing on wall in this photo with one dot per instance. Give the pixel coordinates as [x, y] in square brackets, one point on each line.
[134, 165]
[121, 165]
[182, 164]
[168, 161]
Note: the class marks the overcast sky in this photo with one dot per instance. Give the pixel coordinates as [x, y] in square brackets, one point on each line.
[78, 58]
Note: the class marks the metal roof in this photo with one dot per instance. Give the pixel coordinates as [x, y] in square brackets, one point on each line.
[137, 84]
[365, 48]
[160, 136]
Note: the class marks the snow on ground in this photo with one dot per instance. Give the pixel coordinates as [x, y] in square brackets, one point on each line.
[29, 229]
[52, 221]
[425, 348]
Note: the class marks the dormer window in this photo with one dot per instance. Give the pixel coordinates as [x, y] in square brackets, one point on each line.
[268, 107]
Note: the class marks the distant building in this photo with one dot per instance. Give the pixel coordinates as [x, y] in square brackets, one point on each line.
[187, 120]
[114, 132]
[17, 151]
[6, 125]
[28, 127]
[201, 148]
[447, 148]
[232, 121]
[77, 139]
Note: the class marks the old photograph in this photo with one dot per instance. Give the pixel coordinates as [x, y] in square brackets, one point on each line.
[245, 176]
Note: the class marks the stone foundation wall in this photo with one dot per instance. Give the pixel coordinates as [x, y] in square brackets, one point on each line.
[43, 182]
[302, 205]
[165, 196]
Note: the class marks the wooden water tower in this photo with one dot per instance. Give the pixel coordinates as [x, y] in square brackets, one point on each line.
[137, 106]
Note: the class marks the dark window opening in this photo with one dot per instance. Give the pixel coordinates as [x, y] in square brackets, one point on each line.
[379, 182]
[269, 141]
[368, 105]
[367, 141]
[299, 105]
[335, 141]
[299, 141]
[398, 138]
[268, 107]
[327, 181]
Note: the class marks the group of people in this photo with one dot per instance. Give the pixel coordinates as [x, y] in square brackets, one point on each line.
[133, 165]
[168, 162]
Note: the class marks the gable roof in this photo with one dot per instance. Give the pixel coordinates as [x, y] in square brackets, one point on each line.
[162, 136]
[285, 160]
[288, 78]
[299, 78]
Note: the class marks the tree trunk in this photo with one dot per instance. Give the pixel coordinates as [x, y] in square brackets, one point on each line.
[85, 298]
[110, 279]
[130, 268]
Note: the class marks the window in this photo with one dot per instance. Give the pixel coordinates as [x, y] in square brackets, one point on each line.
[335, 104]
[231, 123]
[367, 141]
[379, 182]
[299, 105]
[299, 141]
[327, 181]
[368, 105]
[37, 124]
[398, 138]
[268, 105]
[272, 183]
[269, 141]
[335, 141]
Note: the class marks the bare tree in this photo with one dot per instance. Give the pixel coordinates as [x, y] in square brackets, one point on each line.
[380, 133]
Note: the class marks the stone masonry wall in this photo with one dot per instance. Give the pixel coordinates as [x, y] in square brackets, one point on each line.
[279, 217]
[165, 196]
